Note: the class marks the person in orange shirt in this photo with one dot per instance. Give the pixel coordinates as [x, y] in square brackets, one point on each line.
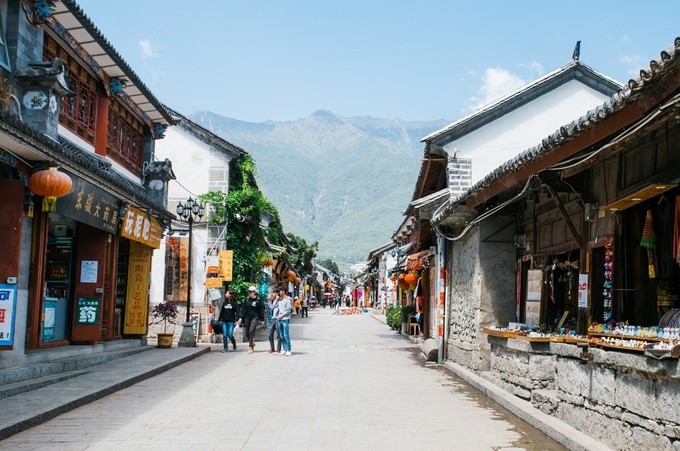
[296, 304]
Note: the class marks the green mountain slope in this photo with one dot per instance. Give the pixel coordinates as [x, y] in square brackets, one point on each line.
[340, 181]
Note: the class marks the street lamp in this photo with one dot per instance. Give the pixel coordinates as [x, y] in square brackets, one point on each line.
[190, 211]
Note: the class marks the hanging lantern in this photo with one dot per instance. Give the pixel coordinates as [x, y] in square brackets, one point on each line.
[50, 184]
[393, 277]
[290, 274]
[411, 278]
[402, 284]
[269, 263]
[418, 265]
[401, 276]
[297, 281]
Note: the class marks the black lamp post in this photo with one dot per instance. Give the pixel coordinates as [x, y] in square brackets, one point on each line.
[190, 211]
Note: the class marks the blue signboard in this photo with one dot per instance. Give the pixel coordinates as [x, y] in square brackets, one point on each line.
[8, 303]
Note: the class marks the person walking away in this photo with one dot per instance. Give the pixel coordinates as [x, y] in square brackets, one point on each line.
[252, 312]
[305, 308]
[285, 308]
[228, 318]
[273, 328]
[296, 304]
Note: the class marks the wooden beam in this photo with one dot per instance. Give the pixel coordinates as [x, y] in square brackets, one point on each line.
[558, 203]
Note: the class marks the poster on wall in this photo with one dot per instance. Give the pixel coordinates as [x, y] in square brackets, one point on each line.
[534, 284]
[88, 271]
[583, 291]
[137, 299]
[176, 269]
[7, 307]
[532, 306]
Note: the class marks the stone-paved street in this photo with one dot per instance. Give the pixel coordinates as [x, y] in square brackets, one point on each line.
[350, 384]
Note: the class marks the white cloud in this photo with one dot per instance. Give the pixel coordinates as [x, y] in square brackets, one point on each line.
[625, 39]
[634, 63]
[147, 48]
[496, 83]
[535, 67]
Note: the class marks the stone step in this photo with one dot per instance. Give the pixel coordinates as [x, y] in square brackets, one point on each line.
[56, 366]
[12, 389]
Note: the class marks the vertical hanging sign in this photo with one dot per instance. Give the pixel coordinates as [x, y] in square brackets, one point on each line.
[7, 307]
[226, 259]
[137, 300]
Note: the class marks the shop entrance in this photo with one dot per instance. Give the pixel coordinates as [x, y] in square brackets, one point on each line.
[55, 324]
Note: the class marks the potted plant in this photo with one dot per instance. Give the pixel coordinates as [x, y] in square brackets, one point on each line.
[166, 311]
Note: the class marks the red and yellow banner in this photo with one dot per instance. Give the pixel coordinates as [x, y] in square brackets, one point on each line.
[137, 299]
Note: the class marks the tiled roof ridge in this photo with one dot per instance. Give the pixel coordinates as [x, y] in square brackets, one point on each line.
[199, 130]
[569, 131]
[115, 56]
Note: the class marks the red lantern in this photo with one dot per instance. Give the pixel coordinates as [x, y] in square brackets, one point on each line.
[269, 263]
[51, 184]
[298, 280]
[393, 277]
[290, 274]
[411, 278]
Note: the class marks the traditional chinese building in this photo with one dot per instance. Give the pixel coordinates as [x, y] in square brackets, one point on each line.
[78, 239]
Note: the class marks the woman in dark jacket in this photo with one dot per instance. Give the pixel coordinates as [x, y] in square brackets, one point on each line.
[228, 318]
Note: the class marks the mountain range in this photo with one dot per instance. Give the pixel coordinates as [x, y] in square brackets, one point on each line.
[341, 181]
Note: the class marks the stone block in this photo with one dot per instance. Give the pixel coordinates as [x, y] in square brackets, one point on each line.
[612, 432]
[668, 401]
[643, 422]
[542, 367]
[672, 431]
[644, 439]
[573, 377]
[602, 387]
[636, 394]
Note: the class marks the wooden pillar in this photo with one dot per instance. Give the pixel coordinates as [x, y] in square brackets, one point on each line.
[102, 122]
[36, 280]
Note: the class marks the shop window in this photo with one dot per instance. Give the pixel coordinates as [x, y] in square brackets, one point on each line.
[4, 53]
[125, 138]
[78, 113]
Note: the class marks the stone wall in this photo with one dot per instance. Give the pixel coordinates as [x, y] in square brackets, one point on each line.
[628, 401]
[521, 367]
[481, 286]
[464, 282]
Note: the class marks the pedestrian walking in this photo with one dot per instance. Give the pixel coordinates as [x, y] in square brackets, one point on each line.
[252, 313]
[285, 307]
[228, 318]
[296, 304]
[273, 328]
[305, 308]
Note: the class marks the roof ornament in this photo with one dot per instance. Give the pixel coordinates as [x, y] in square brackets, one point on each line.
[577, 51]
[40, 12]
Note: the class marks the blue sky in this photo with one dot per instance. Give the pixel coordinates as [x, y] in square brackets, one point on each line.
[258, 60]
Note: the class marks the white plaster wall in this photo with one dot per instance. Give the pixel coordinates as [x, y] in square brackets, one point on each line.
[525, 127]
[191, 161]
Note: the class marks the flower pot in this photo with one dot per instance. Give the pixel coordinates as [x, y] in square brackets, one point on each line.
[165, 341]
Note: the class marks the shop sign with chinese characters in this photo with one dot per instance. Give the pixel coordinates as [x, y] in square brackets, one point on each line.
[141, 227]
[7, 306]
[87, 311]
[137, 301]
[90, 205]
[226, 264]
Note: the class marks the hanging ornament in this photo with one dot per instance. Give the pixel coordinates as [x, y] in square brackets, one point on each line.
[51, 185]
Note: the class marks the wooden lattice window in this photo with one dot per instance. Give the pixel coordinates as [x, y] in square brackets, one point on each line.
[77, 114]
[125, 138]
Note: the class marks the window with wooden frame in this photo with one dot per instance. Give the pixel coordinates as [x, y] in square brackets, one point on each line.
[125, 138]
[78, 113]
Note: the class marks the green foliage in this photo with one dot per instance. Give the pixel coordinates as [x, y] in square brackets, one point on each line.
[393, 316]
[329, 264]
[246, 238]
[302, 258]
